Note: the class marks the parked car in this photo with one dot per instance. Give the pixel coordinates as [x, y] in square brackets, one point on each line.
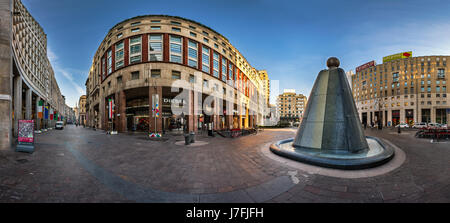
[59, 125]
[420, 125]
[402, 125]
[434, 125]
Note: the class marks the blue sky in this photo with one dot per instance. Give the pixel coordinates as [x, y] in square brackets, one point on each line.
[290, 39]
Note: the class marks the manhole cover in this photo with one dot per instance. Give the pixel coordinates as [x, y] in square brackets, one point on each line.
[22, 160]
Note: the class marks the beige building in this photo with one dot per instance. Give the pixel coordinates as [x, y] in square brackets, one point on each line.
[141, 58]
[82, 110]
[404, 90]
[27, 80]
[291, 106]
[266, 85]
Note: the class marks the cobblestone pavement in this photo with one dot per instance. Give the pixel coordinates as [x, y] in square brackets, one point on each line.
[81, 165]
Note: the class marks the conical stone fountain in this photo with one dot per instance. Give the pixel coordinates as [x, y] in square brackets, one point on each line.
[331, 134]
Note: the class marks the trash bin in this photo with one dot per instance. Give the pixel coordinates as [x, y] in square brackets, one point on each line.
[187, 139]
[192, 136]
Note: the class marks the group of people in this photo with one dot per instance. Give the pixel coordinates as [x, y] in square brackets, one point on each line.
[372, 124]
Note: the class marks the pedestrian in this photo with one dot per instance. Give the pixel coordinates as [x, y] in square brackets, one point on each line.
[365, 125]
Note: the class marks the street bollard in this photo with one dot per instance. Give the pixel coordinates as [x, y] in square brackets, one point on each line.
[186, 139]
[192, 136]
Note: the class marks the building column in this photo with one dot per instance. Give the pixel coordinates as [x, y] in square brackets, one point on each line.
[402, 115]
[17, 102]
[216, 114]
[152, 91]
[433, 114]
[28, 102]
[190, 115]
[240, 116]
[38, 120]
[5, 74]
[101, 114]
[196, 109]
[122, 127]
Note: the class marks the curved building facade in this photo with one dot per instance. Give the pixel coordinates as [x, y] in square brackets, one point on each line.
[406, 90]
[27, 79]
[142, 61]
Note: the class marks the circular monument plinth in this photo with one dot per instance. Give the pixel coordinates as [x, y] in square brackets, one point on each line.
[377, 154]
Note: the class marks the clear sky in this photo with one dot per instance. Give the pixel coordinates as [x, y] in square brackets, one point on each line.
[290, 39]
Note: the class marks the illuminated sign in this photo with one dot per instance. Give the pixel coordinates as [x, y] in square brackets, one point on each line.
[397, 56]
[366, 65]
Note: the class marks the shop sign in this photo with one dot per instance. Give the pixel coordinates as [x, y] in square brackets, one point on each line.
[174, 101]
[366, 65]
[397, 56]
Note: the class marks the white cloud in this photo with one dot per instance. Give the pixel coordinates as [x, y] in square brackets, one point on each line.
[422, 38]
[67, 74]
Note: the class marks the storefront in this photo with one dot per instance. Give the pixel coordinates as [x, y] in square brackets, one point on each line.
[426, 115]
[441, 116]
[409, 116]
[364, 118]
[395, 117]
[137, 115]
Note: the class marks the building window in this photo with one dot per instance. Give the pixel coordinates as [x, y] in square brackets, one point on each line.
[205, 83]
[192, 27]
[155, 47]
[155, 27]
[230, 71]
[119, 55]
[192, 79]
[205, 59]
[441, 73]
[205, 40]
[175, 49]
[135, 30]
[193, 34]
[395, 77]
[155, 21]
[119, 79]
[135, 75]
[175, 29]
[135, 23]
[224, 69]
[175, 23]
[109, 59]
[205, 33]
[192, 54]
[176, 74]
[119, 35]
[216, 46]
[216, 64]
[156, 73]
[135, 49]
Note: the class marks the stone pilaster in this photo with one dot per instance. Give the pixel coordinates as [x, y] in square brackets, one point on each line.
[28, 104]
[5, 74]
[17, 102]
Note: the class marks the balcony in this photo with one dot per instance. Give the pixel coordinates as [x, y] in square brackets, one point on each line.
[441, 76]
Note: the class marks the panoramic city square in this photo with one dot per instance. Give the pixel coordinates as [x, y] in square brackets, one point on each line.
[186, 105]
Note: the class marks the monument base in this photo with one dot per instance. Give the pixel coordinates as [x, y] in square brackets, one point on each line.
[378, 154]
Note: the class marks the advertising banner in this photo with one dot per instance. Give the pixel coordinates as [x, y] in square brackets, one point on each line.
[155, 105]
[397, 56]
[46, 112]
[26, 131]
[366, 65]
[40, 105]
[51, 114]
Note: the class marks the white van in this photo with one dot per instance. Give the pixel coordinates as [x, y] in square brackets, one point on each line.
[59, 125]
